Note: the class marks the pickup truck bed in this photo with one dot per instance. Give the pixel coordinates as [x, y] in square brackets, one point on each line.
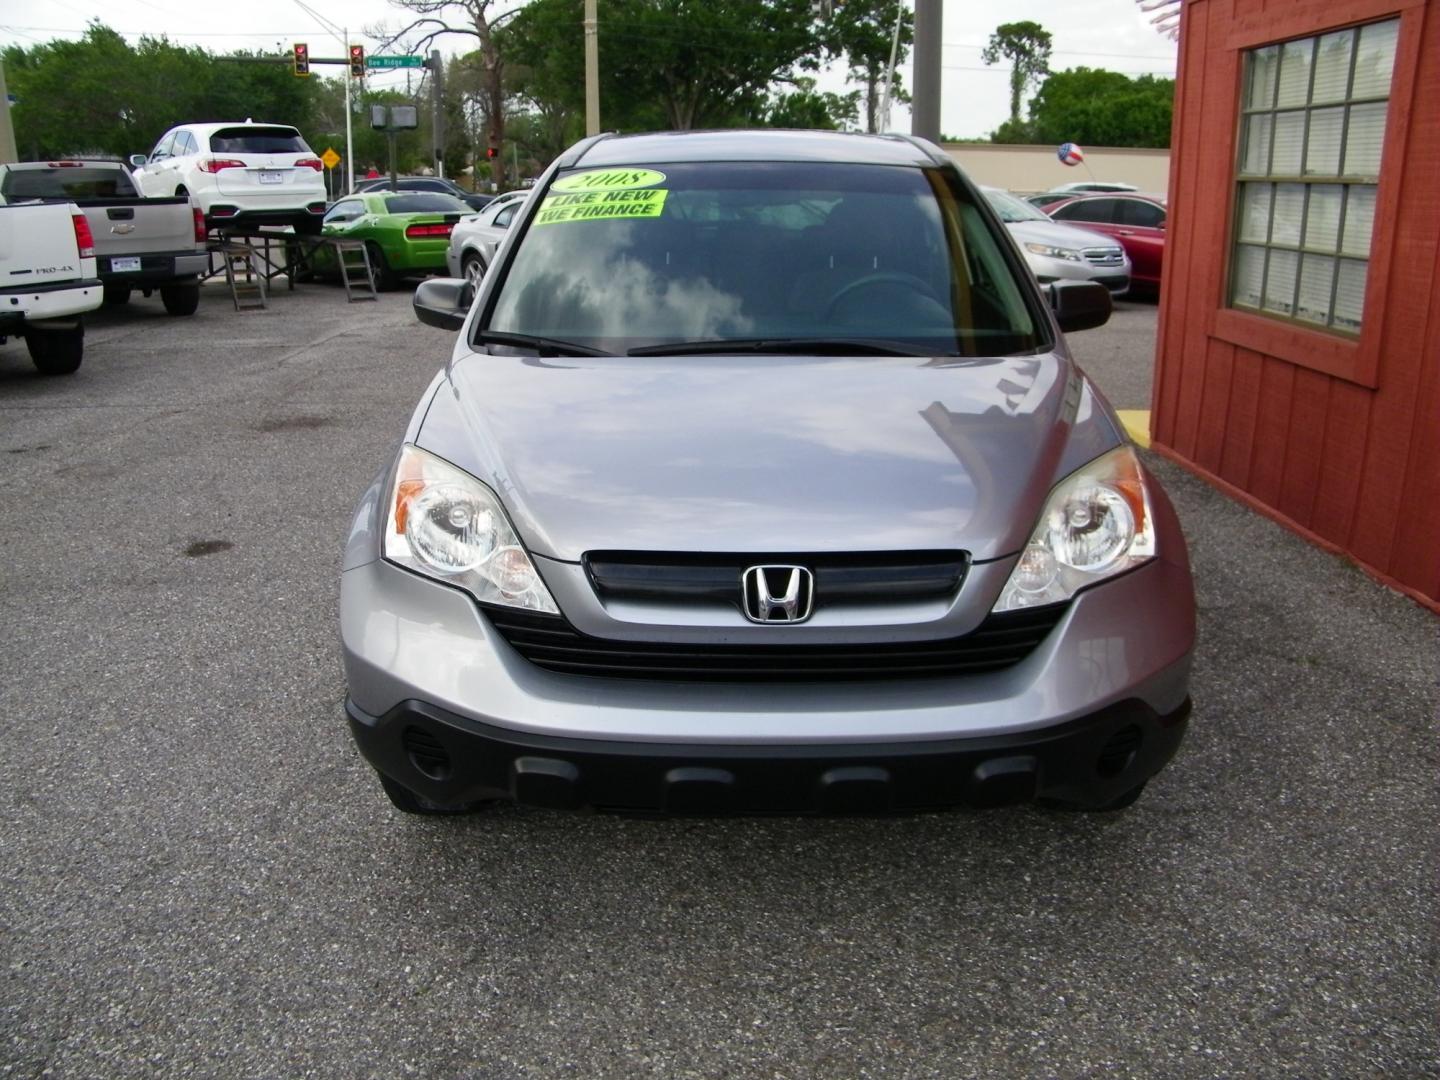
[47, 280]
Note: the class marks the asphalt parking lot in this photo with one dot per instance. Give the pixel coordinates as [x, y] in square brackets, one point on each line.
[201, 878]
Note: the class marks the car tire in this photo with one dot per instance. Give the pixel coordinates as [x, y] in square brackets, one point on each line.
[409, 802]
[181, 299]
[385, 278]
[473, 270]
[56, 352]
[116, 295]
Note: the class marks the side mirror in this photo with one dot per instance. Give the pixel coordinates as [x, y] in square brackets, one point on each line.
[1079, 305]
[138, 160]
[444, 302]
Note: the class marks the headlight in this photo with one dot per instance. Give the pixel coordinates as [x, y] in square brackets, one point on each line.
[1096, 524]
[1055, 253]
[445, 524]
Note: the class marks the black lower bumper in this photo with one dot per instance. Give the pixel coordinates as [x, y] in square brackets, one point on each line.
[452, 760]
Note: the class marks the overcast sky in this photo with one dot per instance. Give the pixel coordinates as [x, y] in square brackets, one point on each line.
[1113, 34]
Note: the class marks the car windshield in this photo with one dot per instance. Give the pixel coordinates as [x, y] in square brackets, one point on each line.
[425, 202]
[766, 254]
[258, 140]
[67, 183]
[1012, 209]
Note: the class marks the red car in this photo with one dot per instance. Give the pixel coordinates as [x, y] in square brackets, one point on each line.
[1137, 221]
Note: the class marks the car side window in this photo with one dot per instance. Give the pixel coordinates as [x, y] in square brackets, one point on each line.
[347, 210]
[184, 144]
[504, 217]
[1101, 211]
[1139, 212]
[162, 148]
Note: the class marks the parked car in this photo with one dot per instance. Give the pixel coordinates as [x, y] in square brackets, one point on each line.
[716, 509]
[241, 174]
[1077, 187]
[1058, 252]
[474, 199]
[1136, 221]
[405, 233]
[47, 282]
[475, 239]
[149, 244]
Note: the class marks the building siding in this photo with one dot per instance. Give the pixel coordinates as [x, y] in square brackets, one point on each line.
[1337, 439]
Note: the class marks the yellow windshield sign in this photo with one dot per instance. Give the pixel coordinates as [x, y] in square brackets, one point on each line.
[601, 205]
[609, 180]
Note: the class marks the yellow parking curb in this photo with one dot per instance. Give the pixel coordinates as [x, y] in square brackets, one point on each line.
[1137, 423]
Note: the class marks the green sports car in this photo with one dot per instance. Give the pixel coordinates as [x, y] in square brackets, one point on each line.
[405, 232]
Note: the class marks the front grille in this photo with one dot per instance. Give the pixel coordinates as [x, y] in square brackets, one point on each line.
[550, 642]
[845, 579]
[1104, 256]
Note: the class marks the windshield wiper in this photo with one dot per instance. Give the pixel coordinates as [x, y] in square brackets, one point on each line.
[543, 345]
[821, 346]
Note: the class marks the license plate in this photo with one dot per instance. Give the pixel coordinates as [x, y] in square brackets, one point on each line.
[270, 176]
[120, 266]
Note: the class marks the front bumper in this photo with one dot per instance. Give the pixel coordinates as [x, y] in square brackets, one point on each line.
[451, 759]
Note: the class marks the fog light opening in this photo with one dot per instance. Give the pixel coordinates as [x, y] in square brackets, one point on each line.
[1119, 751]
[426, 753]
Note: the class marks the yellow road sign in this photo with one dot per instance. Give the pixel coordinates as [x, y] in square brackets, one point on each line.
[330, 158]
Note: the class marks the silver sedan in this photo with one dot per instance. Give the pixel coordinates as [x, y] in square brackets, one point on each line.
[474, 240]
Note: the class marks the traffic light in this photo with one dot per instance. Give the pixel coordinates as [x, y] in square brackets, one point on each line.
[302, 59]
[490, 153]
[357, 60]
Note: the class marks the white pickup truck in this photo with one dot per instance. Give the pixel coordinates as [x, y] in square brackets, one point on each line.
[47, 281]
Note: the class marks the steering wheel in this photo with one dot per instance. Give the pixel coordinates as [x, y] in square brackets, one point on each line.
[883, 277]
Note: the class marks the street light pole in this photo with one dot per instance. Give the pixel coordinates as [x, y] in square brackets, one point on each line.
[342, 35]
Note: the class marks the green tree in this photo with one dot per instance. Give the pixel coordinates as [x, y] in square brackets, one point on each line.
[804, 107]
[1103, 108]
[862, 32]
[101, 95]
[670, 63]
[1027, 46]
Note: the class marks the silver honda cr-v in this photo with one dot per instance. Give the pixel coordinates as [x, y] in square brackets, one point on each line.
[760, 479]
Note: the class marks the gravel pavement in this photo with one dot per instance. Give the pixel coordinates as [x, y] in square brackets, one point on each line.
[200, 878]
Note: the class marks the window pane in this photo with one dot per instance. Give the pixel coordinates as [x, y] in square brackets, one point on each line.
[1280, 281]
[1359, 219]
[1322, 153]
[1263, 63]
[1332, 67]
[1289, 209]
[1257, 145]
[1350, 295]
[1249, 271]
[1365, 139]
[1255, 211]
[1375, 59]
[1289, 143]
[1295, 72]
[1316, 274]
[1322, 219]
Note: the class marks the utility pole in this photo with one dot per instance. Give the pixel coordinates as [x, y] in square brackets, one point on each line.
[925, 107]
[592, 68]
[437, 119]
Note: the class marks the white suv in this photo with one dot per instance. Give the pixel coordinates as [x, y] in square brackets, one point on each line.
[240, 173]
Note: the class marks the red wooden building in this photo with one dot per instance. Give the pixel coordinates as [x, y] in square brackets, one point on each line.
[1298, 361]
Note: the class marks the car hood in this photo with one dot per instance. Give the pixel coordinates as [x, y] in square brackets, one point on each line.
[1057, 234]
[763, 454]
